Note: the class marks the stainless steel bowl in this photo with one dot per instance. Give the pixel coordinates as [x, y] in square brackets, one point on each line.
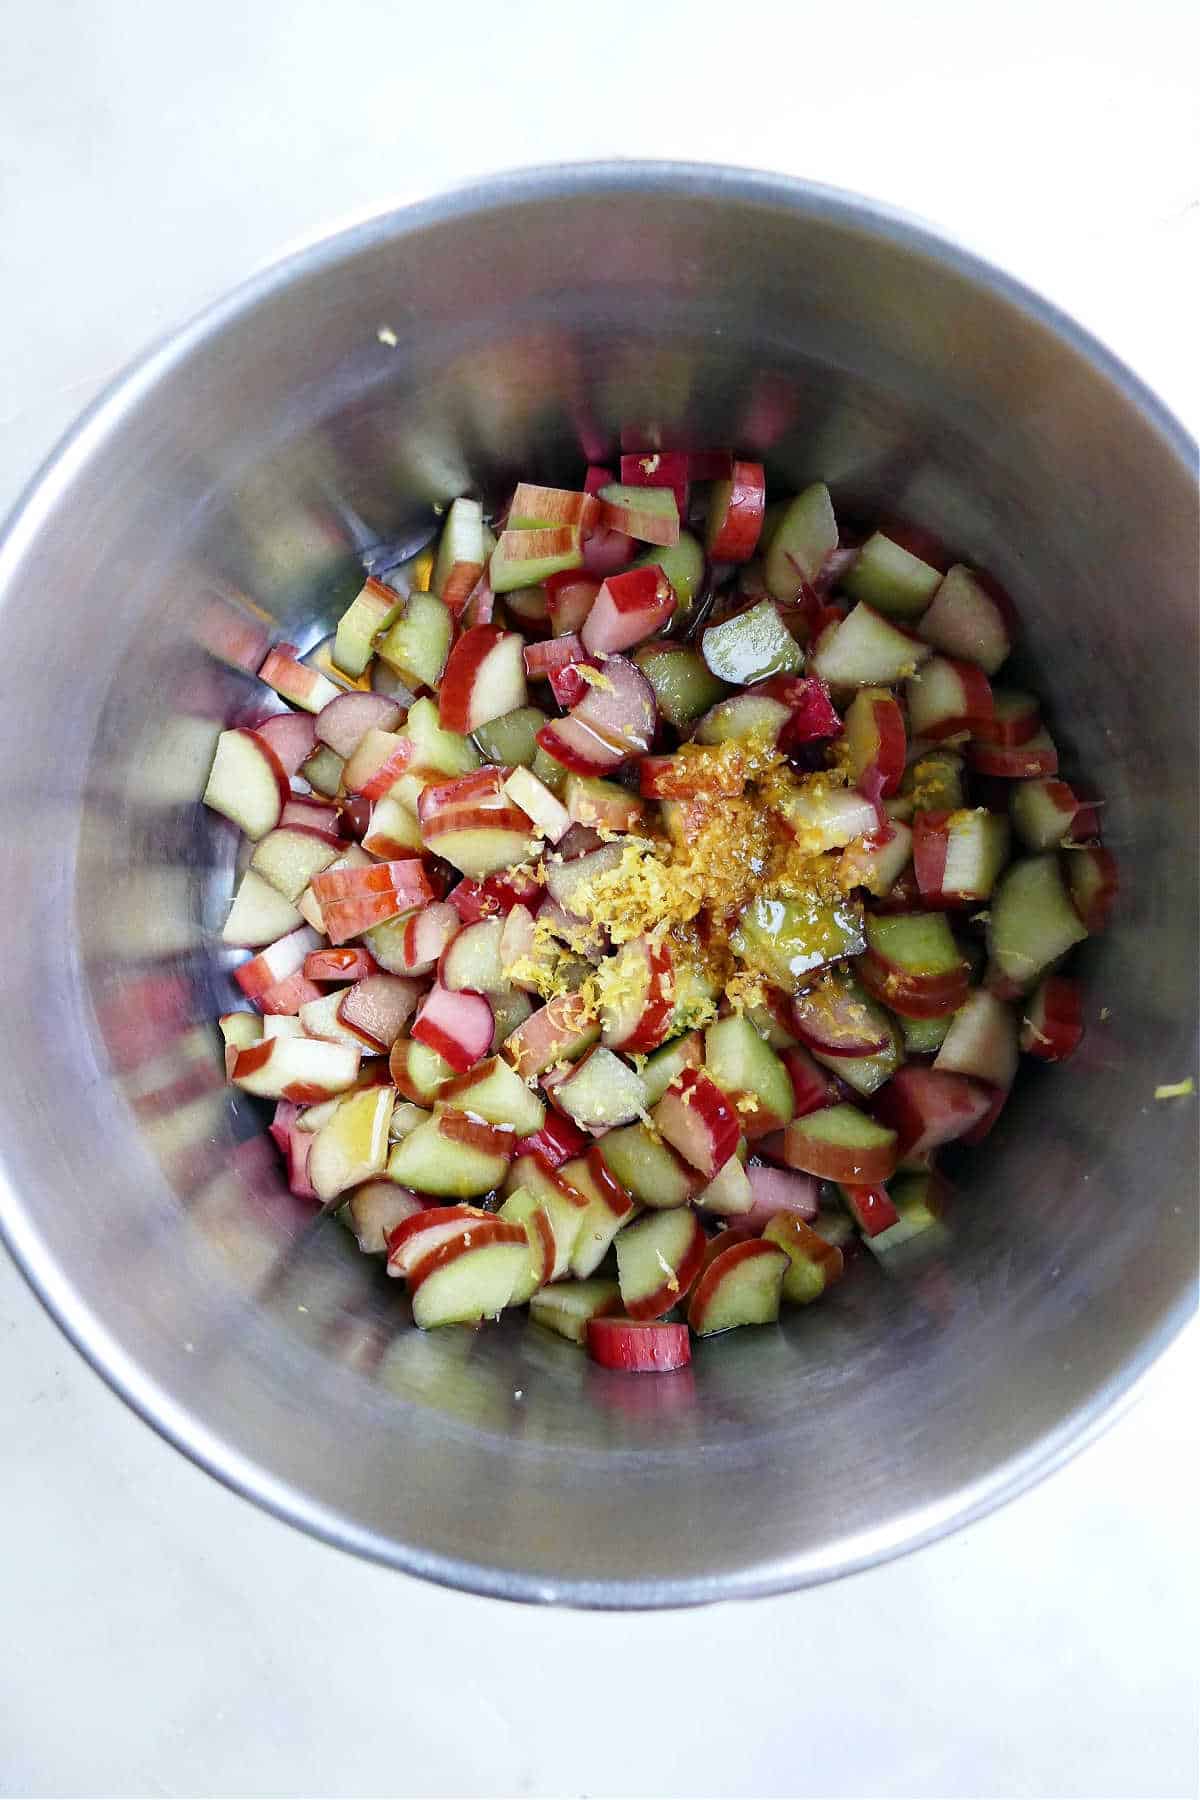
[313, 416]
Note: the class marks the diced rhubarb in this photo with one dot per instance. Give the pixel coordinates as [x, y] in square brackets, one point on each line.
[247, 782]
[958, 856]
[289, 857]
[292, 736]
[288, 996]
[312, 815]
[353, 1145]
[742, 1285]
[649, 514]
[495, 894]
[876, 741]
[544, 660]
[627, 609]
[1052, 1025]
[346, 720]
[1044, 812]
[458, 1025]
[619, 706]
[812, 1086]
[415, 943]
[371, 611]
[1091, 874]
[354, 899]
[610, 1208]
[729, 1194]
[523, 558]
[638, 1346]
[870, 1207]
[349, 964]
[378, 761]
[559, 1031]
[556, 1141]
[840, 1143]
[660, 1069]
[793, 938]
[603, 804]
[969, 620]
[469, 1277]
[474, 824]
[812, 715]
[599, 1092]
[918, 1201]
[1014, 762]
[805, 535]
[926, 1108]
[460, 556]
[277, 962]
[736, 509]
[417, 1233]
[493, 1091]
[638, 998]
[743, 718]
[836, 1018]
[697, 1119]
[814, 1263]
[579, 748]
[742, 1065]
[867, 650]
[377, 1009]
[683, 686]
[549, 816]
[913, 964]
[296, 1068]
[534, 506]
[981, 1041]
[893, 573]
[778, 1191]
[569, 598]
[304, 687]
[259, 914]
[878, 861]
[392, 831]
[658, 1259]
[1032, 921]
[484, 678]
[607, 550]
[569, 1306]
[649, 1169]
[946, 697]
[659, 468]
[1016, 717]
[823, 819]
[452, 1156]
[751, 646]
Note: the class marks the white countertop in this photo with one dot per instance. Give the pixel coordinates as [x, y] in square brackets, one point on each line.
[162, 1637]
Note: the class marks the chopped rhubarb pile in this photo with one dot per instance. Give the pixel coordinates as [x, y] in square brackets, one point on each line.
[699, 889]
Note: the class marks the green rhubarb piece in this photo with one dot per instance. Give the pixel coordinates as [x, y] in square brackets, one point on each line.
[741, 1062]
[418, 642]
[684, 685]
[681, 563]
[788, 939]
[526, 558]
[751, 646]
[892, 579]
[511, 740]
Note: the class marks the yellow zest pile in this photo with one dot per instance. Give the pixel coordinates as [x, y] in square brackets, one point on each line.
[689, 883]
